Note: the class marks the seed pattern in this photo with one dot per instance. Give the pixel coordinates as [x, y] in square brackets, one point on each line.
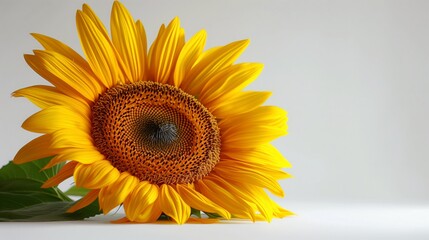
[156, 132]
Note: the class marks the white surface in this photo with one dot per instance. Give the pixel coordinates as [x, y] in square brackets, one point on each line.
[353, 76]
[315, 221]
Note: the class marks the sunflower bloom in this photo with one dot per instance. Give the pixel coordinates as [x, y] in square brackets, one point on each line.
[160, 130]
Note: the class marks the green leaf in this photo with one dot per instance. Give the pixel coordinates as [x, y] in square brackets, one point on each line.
[20, 193]
[30, 170]
[212, 215]
[23, 199]
[48, 211]
[77, 191]
[196, 212]
[163, 216]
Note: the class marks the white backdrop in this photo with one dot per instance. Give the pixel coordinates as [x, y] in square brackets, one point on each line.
[353, 76]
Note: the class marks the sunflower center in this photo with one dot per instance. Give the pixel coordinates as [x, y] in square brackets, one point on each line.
[162, 133]
[156, 132]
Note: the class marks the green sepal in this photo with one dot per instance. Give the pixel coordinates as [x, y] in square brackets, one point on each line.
[77, 191]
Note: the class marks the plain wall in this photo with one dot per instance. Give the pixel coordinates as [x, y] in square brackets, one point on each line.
[353, 76]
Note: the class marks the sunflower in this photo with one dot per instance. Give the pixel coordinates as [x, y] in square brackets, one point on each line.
[160, 130]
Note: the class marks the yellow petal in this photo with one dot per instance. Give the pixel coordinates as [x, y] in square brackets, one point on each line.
[261, 116]
[68, 76]
[96, 23]
[152, 50]
[272, 171]
[230, 81]
[114, 194]
[95, 20]
[121, 220]
[165, 51]
[95, 175]
[141, 36]
[47, 96]
[198, 201]
[241, 103]
[126, 40]
[256, 197]
[222, 197]
[260, 125]
[36, 149]
[202, 220]
[260, 198]
[65, 172]
[38, 65]
[250, 176]
[279, 211]
[84, 156]
[71, 138]
[210, 63]
[142, 41]
[75, 75]
[54, 45]
[141, 203]
[179, 47]
[151, 214]
[260, 201]
[189, 54]
[99, 51]
[42, 96]
[251, 137]
[85, 201]
[173, 205]
[263, 155]
[54, 118]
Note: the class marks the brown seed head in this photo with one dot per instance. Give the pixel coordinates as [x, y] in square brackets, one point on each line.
[156, 132]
